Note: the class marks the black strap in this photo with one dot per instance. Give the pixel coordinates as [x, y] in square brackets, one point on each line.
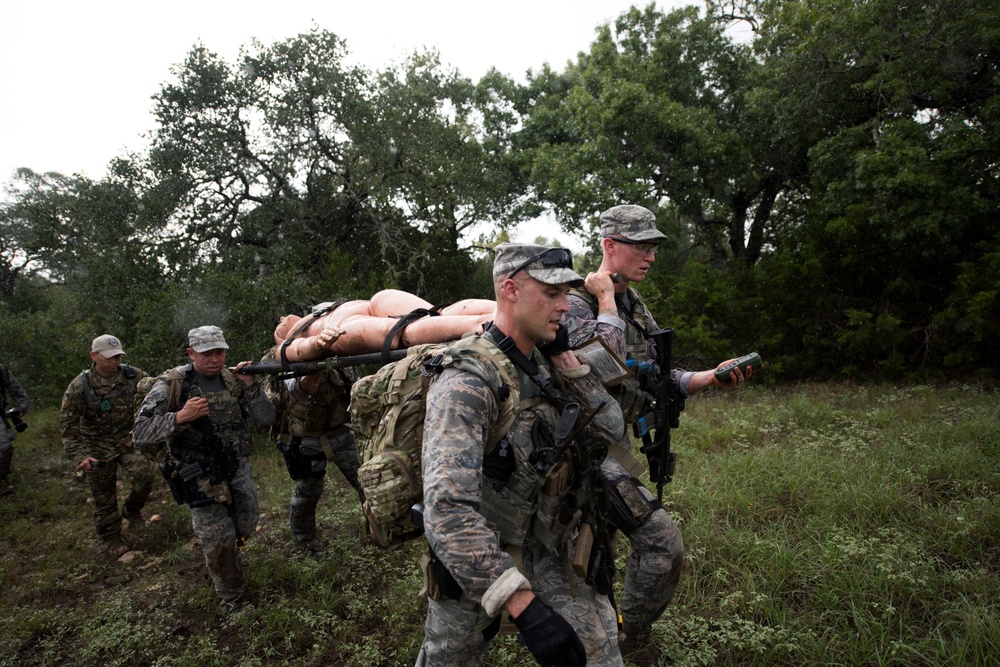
[509, 347]
[627, 309]
[303, 325]
[402, 322]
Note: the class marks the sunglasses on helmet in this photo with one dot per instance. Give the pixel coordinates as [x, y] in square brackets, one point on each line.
[551, 258]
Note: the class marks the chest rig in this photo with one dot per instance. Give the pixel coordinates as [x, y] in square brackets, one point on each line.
[107, 408]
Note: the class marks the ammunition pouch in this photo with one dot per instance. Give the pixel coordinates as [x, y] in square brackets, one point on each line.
[189, 486]
[300, 465]
[627, 507]
[634, 400]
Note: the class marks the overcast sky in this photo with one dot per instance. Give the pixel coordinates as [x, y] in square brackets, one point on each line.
[77, 77]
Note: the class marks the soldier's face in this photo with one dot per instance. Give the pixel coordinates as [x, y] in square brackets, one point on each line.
[632, 260]
[106, 366]
[540, 308]
[209, 363]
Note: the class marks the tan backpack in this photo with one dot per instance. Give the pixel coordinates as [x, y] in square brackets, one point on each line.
[387, 414]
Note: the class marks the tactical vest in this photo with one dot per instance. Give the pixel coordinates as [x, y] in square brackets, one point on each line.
[107, 411]
[630, 397]
[530, 502]
[223, 430]
[323, 411]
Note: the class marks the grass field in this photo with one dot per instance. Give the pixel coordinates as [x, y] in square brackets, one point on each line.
[824, 525]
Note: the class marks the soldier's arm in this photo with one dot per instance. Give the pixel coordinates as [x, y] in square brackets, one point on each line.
[607, 422]
[18, 396]
[154, 424]
[461, 409]
[584, 325]
[70, 414]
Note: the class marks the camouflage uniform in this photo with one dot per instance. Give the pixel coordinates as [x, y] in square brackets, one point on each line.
[9, 386]
[230, 511]
[462, 409]
[318, 430]
[95, 421]
[654, 566]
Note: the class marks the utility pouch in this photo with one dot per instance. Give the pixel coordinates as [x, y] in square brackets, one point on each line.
[508, 509]
[299, 465]
[556, 512]
[174, 482]
[627, 507]
[438, 582]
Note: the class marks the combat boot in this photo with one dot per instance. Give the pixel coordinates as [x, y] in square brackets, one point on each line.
[642, 653]
[134, 519]
[115, 547]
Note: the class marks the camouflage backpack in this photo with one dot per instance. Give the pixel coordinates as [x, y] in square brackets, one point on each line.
[387, 414]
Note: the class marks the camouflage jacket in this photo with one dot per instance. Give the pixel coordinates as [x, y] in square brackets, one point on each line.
[96, 414]
[156, 420]
[461, 409]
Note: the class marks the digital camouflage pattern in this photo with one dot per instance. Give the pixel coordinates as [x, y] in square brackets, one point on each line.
[461, 409]
[220, 527]
[632, 222]
[654, 566]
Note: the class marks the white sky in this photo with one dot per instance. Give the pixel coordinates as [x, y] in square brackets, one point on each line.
[77, 77]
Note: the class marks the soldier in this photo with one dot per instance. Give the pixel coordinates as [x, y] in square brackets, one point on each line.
[313, 414]
[203, 412]
[95, 422]
[9, 386]
[495, 480]
[616, 313]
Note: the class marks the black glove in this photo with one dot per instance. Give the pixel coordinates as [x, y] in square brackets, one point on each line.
[549, 637]
[559, 344]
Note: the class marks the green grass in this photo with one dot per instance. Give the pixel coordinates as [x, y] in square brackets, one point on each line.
[825, 525]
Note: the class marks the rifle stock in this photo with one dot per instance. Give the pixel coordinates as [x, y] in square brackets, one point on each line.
[664, 413]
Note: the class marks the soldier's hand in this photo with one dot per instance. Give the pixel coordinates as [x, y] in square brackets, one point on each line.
[196, 407]
[87, 463]
[599, 284]
[246, 378]
[736, 377]
[549, 636]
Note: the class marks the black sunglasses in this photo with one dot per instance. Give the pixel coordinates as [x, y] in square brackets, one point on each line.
[551, 258]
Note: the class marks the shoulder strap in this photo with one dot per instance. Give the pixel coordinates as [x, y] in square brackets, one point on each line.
[403, 322]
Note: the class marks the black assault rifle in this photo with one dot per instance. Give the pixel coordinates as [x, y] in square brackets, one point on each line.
[296, 368]
[663, 413]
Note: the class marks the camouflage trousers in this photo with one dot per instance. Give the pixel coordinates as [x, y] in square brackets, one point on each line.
[222, 529]
[7, 436]
[453, 631]
[302, 508]
[139, 471]
[654, 566]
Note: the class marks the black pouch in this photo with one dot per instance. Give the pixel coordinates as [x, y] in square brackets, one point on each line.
[174, 482]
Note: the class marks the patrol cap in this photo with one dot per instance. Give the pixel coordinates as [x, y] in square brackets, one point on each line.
[632, 222]
[206, 338]
[108, 346]
[552, 266]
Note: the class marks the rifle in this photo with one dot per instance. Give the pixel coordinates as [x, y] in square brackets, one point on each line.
[297, 368]
[664, 413]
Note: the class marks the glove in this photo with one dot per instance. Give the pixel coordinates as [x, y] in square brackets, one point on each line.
[549, 637]
[559, 344]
